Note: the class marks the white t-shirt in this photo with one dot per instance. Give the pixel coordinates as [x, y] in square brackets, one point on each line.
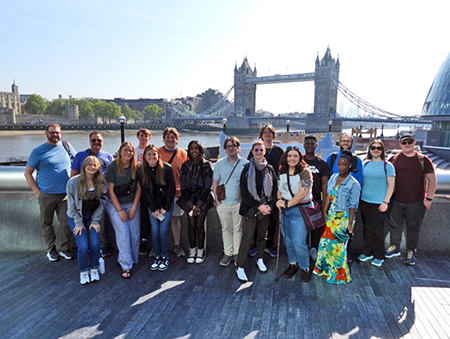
[139, 154]
[294, 181]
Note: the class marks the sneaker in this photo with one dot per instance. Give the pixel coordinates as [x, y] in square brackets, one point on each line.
[272, 251]
[377, 262]
[84, 278]
[226, 259]
[65, 255]
[410, 258]
[155, 264]
[364, 258]
[392, 252]
[306, 275]
[261, 266]
[52, 255]
[152, 254]
[105, 252]
[94, 275]
[163, 264]
[200, 258]
[192, 254]
[143, 247]
[179, 251]
[290, 271]
[240, 272]
[313, 254]
[252, 251]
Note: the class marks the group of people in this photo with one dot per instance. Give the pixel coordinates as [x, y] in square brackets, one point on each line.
[147, 188]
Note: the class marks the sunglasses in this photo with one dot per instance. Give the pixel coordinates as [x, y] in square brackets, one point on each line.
[290, 148]
[409, 142]
[259, 150]
[96, 140]
[376, 148]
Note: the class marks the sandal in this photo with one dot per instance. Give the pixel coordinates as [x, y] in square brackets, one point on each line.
[126, 274]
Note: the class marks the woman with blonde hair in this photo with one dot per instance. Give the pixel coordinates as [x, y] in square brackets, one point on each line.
[85, 195]
[122, 206]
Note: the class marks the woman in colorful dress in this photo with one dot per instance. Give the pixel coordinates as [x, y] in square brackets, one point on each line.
[294, 189]
[85, 195]
[378, 186]
[339, 210]
[196, 198]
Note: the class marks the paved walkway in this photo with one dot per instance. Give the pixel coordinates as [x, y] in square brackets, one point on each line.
[40, 299]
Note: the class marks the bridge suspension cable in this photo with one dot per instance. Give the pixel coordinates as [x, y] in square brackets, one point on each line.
[362, 104]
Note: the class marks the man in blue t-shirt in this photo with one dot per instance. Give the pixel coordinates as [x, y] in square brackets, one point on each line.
[51, 160]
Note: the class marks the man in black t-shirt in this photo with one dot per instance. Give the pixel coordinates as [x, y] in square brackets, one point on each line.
[320, 172]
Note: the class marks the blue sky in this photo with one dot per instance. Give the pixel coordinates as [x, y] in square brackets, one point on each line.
[389, 51]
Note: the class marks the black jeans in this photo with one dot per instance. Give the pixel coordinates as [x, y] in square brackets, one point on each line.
[258, 224]
[145, 222]
[410, 212]
[373, 228]
[196, 230]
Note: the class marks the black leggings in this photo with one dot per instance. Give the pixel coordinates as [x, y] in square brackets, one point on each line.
[196, 231]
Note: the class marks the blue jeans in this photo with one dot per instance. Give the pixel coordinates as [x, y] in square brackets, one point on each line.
[127, 234]
[88, 243]
[160, 234]
[294, 234]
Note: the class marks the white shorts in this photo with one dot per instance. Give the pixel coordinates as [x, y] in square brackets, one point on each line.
[177, 210]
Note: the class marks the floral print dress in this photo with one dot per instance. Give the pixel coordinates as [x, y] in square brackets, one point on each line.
[332, 255]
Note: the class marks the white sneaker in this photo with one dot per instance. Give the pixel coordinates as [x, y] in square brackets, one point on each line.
[241, 274]
[192, 254]
[261, 266]
[94, 275]
[200, 256]
[84, 278]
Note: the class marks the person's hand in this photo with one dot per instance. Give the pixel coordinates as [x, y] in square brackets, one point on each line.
[280, 204]
[78, 230]
[132, 212]
[264, 209]
[383, 207]
[123, 215]
[95, 227]
[218, 203]
[427, 204]
[350, 228]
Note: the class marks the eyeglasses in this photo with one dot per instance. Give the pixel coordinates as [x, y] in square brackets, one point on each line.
[96, 140]
[262, 150]
[290, 148]
[346, 141]
[54, 132]
[376, 148]
[231, 146]
[409, 142]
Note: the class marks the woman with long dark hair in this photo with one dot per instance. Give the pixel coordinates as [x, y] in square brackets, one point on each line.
[85, 195]
[158, 188]
[196, 198]
[294, 189]
[123, 206]
[378, 186]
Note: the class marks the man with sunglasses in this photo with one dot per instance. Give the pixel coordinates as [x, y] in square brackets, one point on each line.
[96, 142]
[415, 185]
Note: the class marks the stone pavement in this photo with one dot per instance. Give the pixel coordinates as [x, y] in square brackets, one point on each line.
[40, 299]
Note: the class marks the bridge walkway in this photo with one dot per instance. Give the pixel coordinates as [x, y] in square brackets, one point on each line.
[40, 299]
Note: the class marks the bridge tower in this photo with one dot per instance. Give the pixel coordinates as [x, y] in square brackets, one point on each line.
[325, 94]
[244, 93]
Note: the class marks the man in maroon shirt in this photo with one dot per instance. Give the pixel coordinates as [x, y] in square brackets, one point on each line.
[415, 184]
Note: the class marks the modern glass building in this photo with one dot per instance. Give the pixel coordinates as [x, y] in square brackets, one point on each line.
[437, 103]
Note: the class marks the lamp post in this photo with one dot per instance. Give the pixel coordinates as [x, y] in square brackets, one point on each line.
[398, 132]
[329, 125]
[122, 121]
[288, 122]
[224, 128]
[360, 131]
[382, 131]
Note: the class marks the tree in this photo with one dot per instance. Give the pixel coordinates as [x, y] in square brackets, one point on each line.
[85, 107]
[36, 104]
[100, 109]
[113, 111]
[57, 107]
[129, 113]
[153, 112]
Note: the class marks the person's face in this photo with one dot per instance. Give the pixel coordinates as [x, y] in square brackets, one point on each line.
[258, 152]
[170, 141]
[293, 158]
[346, 142]
[267, 135]
[310, 146]
[195, 151]
[152, 158]
[375, 150]
[91, 168]
[231, 149]
[343, 165]
[96, 142]
[143, 138]
[127, 153]
[53, 134]
[407, 145]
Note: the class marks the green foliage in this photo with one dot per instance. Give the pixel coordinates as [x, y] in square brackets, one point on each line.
[100, 109]
[129, 113]
[85, 107]
[36, 104]
[152, 112]
[57, 107]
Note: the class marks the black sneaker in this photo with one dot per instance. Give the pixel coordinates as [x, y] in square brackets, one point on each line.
[410, 258]
[52, 255]
[290, 271]
[178, 251]
[66, 255]
[155, 265]
[143, 247]
[163, 264]
[306, 275]
[105, 252]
